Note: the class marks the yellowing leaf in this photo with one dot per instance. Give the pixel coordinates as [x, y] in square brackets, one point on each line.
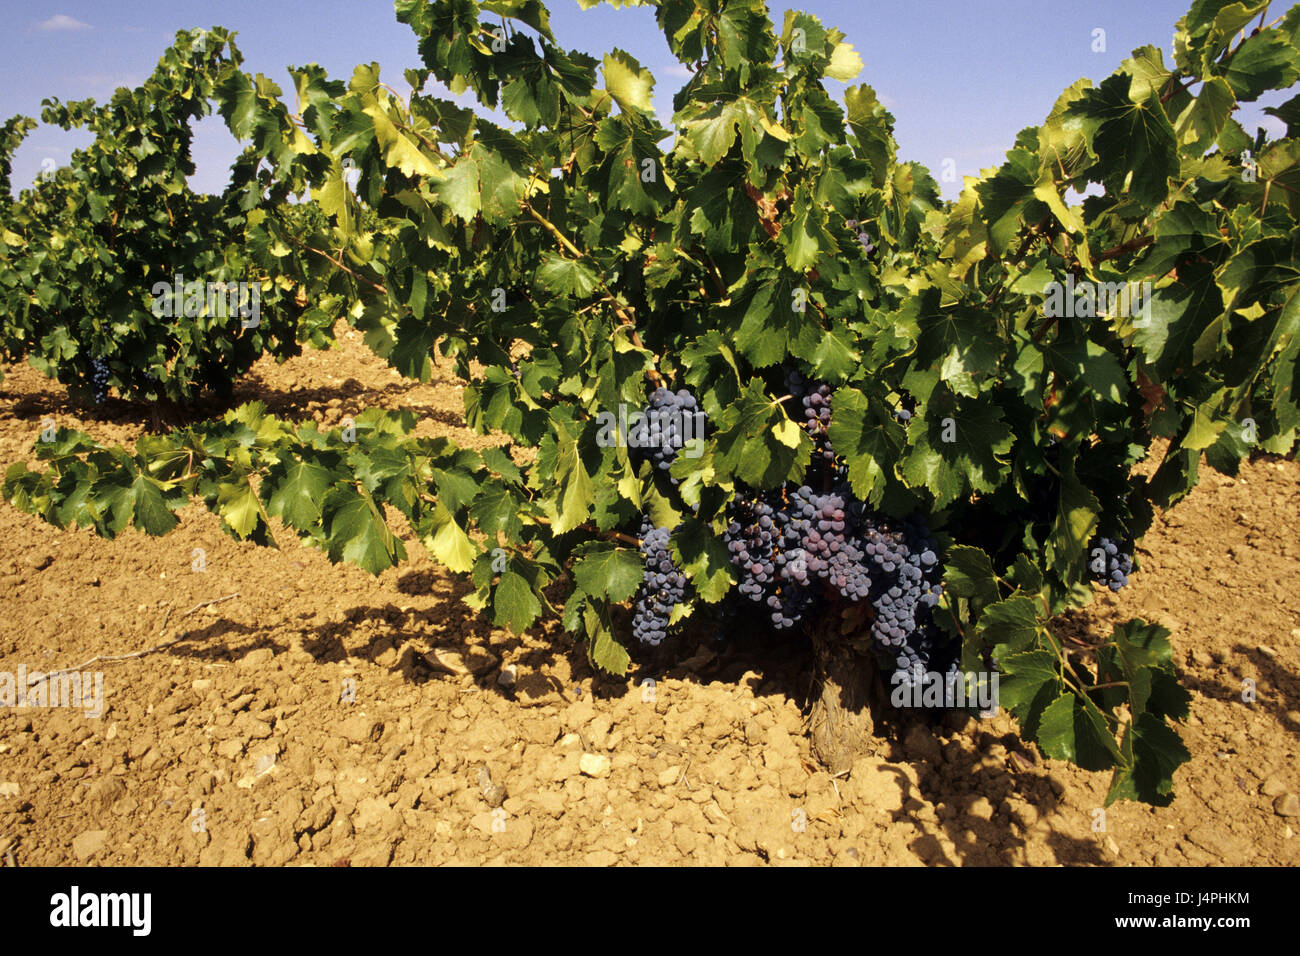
[398, 150]
[845, 63]
[449, 543]
[627, 82]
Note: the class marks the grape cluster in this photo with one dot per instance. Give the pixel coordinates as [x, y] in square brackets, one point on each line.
[1109, 565]
[663, 587]
[665, 425]
[868, 246]
[815, 398]
[789, 544]
[99, 373]
[905, 589]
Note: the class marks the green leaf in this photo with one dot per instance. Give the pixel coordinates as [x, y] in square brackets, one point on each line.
[1010, 625]
[356, 532]
[566, 277]
[1071, 730]
[399, 151]
[968, 573]
[868, 438]
[845, 62]
[606, 653]
[1155, 752]
[610, 572]
[238, 506]
[459, 190]
[704, 558]
[297, 492]
[150, 512]
[1028, 683]
[1135, 146]
[756, 441]
[956, 447]
[514, 605]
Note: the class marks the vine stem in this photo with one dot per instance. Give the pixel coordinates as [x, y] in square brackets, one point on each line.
[383, 290]
[1124, 247]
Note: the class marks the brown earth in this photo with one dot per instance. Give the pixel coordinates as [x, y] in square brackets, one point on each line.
[325, 717]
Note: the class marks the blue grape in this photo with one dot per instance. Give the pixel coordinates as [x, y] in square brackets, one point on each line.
[668, 419]
[1109, 564]
[663, 587]
[99, 373]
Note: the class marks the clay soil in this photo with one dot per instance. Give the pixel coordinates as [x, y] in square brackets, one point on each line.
[326, 717]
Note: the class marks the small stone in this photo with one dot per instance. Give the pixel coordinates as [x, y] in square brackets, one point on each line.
[107, 791]
[257, 659]
[470, 660]
[981, 809]
[594, 765]
[87, 844]
[1273, 787]
[668, 777]
[8, 788]
[493, 793]
[360, 729]
[230, 749]
[1287, 805]
[569, 741]
[508, 676]
[1266, 650]
[202, 685]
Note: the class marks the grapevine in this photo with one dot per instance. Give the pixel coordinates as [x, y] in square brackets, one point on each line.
[915, 433]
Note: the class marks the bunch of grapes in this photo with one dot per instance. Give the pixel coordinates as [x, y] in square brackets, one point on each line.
[1109, 565]
[666, 425]
[815, 398]
[868, 246]
[99, 373]
[905, 587]
[663, 586]
[787, 541]
[762, 543]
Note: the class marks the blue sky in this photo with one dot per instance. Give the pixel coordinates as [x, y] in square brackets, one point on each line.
[961, 78]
